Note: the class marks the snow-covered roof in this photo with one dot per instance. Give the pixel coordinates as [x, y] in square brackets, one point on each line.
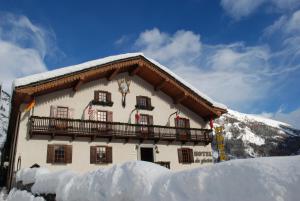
[86, 65]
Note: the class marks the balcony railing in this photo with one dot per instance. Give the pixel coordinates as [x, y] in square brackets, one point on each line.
[114, 130]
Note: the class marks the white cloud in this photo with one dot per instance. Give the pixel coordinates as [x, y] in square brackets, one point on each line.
[166, 48]
[234, 74]
[23, 47]
[292, 118]
[242, 8]
[286, 25]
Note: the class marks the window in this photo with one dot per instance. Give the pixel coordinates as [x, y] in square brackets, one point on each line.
[145, 120]
[102, 98]
[182, 123]
[101, 115]
[143, 102]
[182, 128]
[185, 155]
[100, 154]
[62, 112]
[59, 153]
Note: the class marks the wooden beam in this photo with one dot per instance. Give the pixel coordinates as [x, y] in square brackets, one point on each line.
[178, 99]
[113, 74]
[135, 70]
[161, 84]
[78, 84]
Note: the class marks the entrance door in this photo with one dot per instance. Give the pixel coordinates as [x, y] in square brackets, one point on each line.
[147, 154]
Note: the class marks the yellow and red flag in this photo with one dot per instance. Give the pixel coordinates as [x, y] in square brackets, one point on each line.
[30, 105]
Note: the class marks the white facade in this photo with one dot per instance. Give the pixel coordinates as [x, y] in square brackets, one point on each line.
[34, 150]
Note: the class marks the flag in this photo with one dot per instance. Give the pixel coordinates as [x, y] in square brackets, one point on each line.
[90, 112]
[30, 105]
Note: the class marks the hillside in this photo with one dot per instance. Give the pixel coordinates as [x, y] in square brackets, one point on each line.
[254, 136]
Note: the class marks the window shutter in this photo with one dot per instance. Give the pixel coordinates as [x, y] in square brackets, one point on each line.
[108, 151]
[93, 154]
[138, 100]
[96, 96]
[50, 153]
[191, 155]
[53, 111]
[180, 155]
[109, 119]
[68, 153]
[109, 116]
[150, 122]
[148, 102]
[150, 119]
[71, 113]
[187, 123]
[108, 97]
[176, 122]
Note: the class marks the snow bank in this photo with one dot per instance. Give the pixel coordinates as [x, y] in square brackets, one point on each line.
[16, 195]
[29, 175]
[259, 179]
[90, 64]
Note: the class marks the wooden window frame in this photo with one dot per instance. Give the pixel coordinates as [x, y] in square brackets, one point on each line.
[51, 153]
[93, 155]
[104, 111]
[148, 105]
[146, 129]
[183, 133]
[58, 113]
[96, 100]
[185, 155]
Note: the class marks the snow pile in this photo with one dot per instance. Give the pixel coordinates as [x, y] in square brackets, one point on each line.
[29, 175]
[17, 195]
[90, 64]
[260, 179]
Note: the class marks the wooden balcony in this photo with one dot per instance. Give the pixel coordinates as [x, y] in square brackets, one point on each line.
[76, 128]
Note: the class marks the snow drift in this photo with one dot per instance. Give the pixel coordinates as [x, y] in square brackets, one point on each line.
[274, 178]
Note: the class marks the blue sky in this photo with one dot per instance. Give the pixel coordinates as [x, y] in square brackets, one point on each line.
[245, 54]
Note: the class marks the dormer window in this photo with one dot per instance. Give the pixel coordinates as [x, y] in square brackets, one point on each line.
[102, 98]
[143, 103]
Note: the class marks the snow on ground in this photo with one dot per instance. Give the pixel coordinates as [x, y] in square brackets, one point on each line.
[17, 195]
[259, 179]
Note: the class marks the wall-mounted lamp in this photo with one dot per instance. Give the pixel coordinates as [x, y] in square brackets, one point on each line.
[177, 113]
[156, 149]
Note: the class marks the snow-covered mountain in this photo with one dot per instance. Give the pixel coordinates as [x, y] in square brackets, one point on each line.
[254, 136]
[4, 113]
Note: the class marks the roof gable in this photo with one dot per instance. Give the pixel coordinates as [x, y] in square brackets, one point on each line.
[135, 64]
